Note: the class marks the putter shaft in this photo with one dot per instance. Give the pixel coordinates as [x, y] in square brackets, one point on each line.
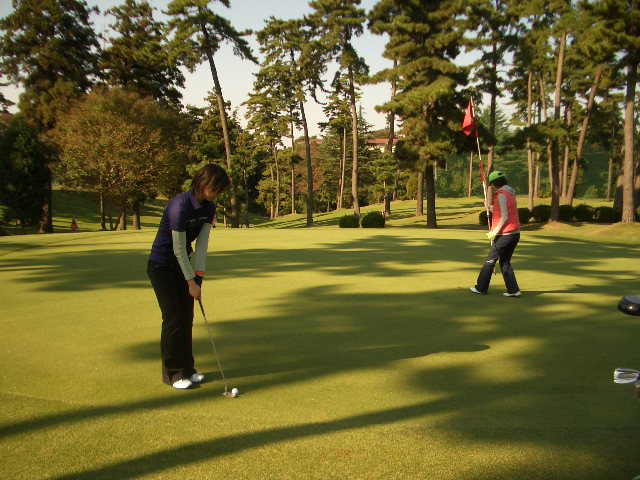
[215, 351]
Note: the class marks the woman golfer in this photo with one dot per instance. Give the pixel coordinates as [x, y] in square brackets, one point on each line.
[505, 234]
[176, 270]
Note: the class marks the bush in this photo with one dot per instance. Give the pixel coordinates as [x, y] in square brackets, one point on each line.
[592, 192]
[583, 213]
[349, 221]
[607, 215]
[541, 213]
[638, 214]
[565, 213]
[524, 214]
[372, 220]
[482, 218]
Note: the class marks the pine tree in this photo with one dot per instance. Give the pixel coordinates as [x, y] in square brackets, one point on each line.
[49, 48]
[425, 38]
[198, 35]
[23, 158]
[588, 62]
[618, 23]
[138, 57]
[337, 23]
[291, 54]
[338, 112]
[264, 113]
[492, 23]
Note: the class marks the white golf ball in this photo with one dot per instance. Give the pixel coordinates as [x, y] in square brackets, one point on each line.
[234, 391]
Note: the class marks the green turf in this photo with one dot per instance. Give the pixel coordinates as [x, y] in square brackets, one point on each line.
[360, 354]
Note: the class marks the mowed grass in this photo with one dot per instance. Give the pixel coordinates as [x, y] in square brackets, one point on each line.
[360, 354]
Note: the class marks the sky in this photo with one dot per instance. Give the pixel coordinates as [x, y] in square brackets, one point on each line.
[237, 76]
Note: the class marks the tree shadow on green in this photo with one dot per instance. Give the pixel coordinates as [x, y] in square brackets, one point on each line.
[557, 394]
[561, 393]
[383, 254]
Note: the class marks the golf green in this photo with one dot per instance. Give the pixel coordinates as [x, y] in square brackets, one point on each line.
[358, 353]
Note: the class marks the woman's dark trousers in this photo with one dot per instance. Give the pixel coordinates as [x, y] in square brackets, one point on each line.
[501, 250]
[176, 305]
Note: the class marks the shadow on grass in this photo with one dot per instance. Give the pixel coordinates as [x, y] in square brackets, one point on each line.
[379, 254]
[552, 394]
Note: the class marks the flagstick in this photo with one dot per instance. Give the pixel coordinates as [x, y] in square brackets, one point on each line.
[484, 185]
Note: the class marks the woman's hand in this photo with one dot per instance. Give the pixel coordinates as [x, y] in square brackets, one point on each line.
[194, 289]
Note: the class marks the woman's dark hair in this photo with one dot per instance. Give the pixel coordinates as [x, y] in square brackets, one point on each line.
[210, 175]
[499, 182]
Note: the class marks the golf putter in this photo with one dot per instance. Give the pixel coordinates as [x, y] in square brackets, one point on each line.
[627, 375]
[226, 392]
[629, 304]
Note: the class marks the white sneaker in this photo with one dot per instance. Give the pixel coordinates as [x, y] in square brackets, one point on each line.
[517, 294]
[182, 384]
[196, 378]
[475, 290]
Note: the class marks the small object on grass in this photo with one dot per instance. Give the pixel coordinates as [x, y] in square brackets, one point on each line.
[630, 304]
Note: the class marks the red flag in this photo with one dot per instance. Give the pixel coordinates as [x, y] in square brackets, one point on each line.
[468, 124]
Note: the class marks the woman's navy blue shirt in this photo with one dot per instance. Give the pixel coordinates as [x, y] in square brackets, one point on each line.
[183, 214]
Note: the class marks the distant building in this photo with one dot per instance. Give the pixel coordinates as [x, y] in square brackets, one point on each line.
[380, 144]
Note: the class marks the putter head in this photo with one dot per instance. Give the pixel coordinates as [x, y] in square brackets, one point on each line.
[630, 304]
[230, 394]
[626, 375]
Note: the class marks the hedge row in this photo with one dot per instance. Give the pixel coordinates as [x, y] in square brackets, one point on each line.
[566, 213]
[368, 220]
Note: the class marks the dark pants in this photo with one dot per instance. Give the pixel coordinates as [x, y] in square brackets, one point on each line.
[176, 305]
[501, 250]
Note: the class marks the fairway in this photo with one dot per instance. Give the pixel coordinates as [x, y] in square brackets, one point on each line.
[359, 354]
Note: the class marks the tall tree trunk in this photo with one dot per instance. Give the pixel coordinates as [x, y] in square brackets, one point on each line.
[46, 219]
[293, 189]
[610, 169]
[354, 141]
[430, 190]
[135, 216]
[389, 148]
[278, 181]
[636, 189]
[420, 195]
[543, 103]
[536, 187]
[293, 169]
[235, 219]
[583, 135]
[307, 153]
[565, 161]
[122, 218]
[554, 173]
[530, 167]
[628, 211]
[628, 170]
[272, 210]
[246, 199]
[103, 225]
[343, 164]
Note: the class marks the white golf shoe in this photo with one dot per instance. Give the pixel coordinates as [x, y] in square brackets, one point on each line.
[516, 294]
[476, 291]
[196, 378]
[182, 384]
